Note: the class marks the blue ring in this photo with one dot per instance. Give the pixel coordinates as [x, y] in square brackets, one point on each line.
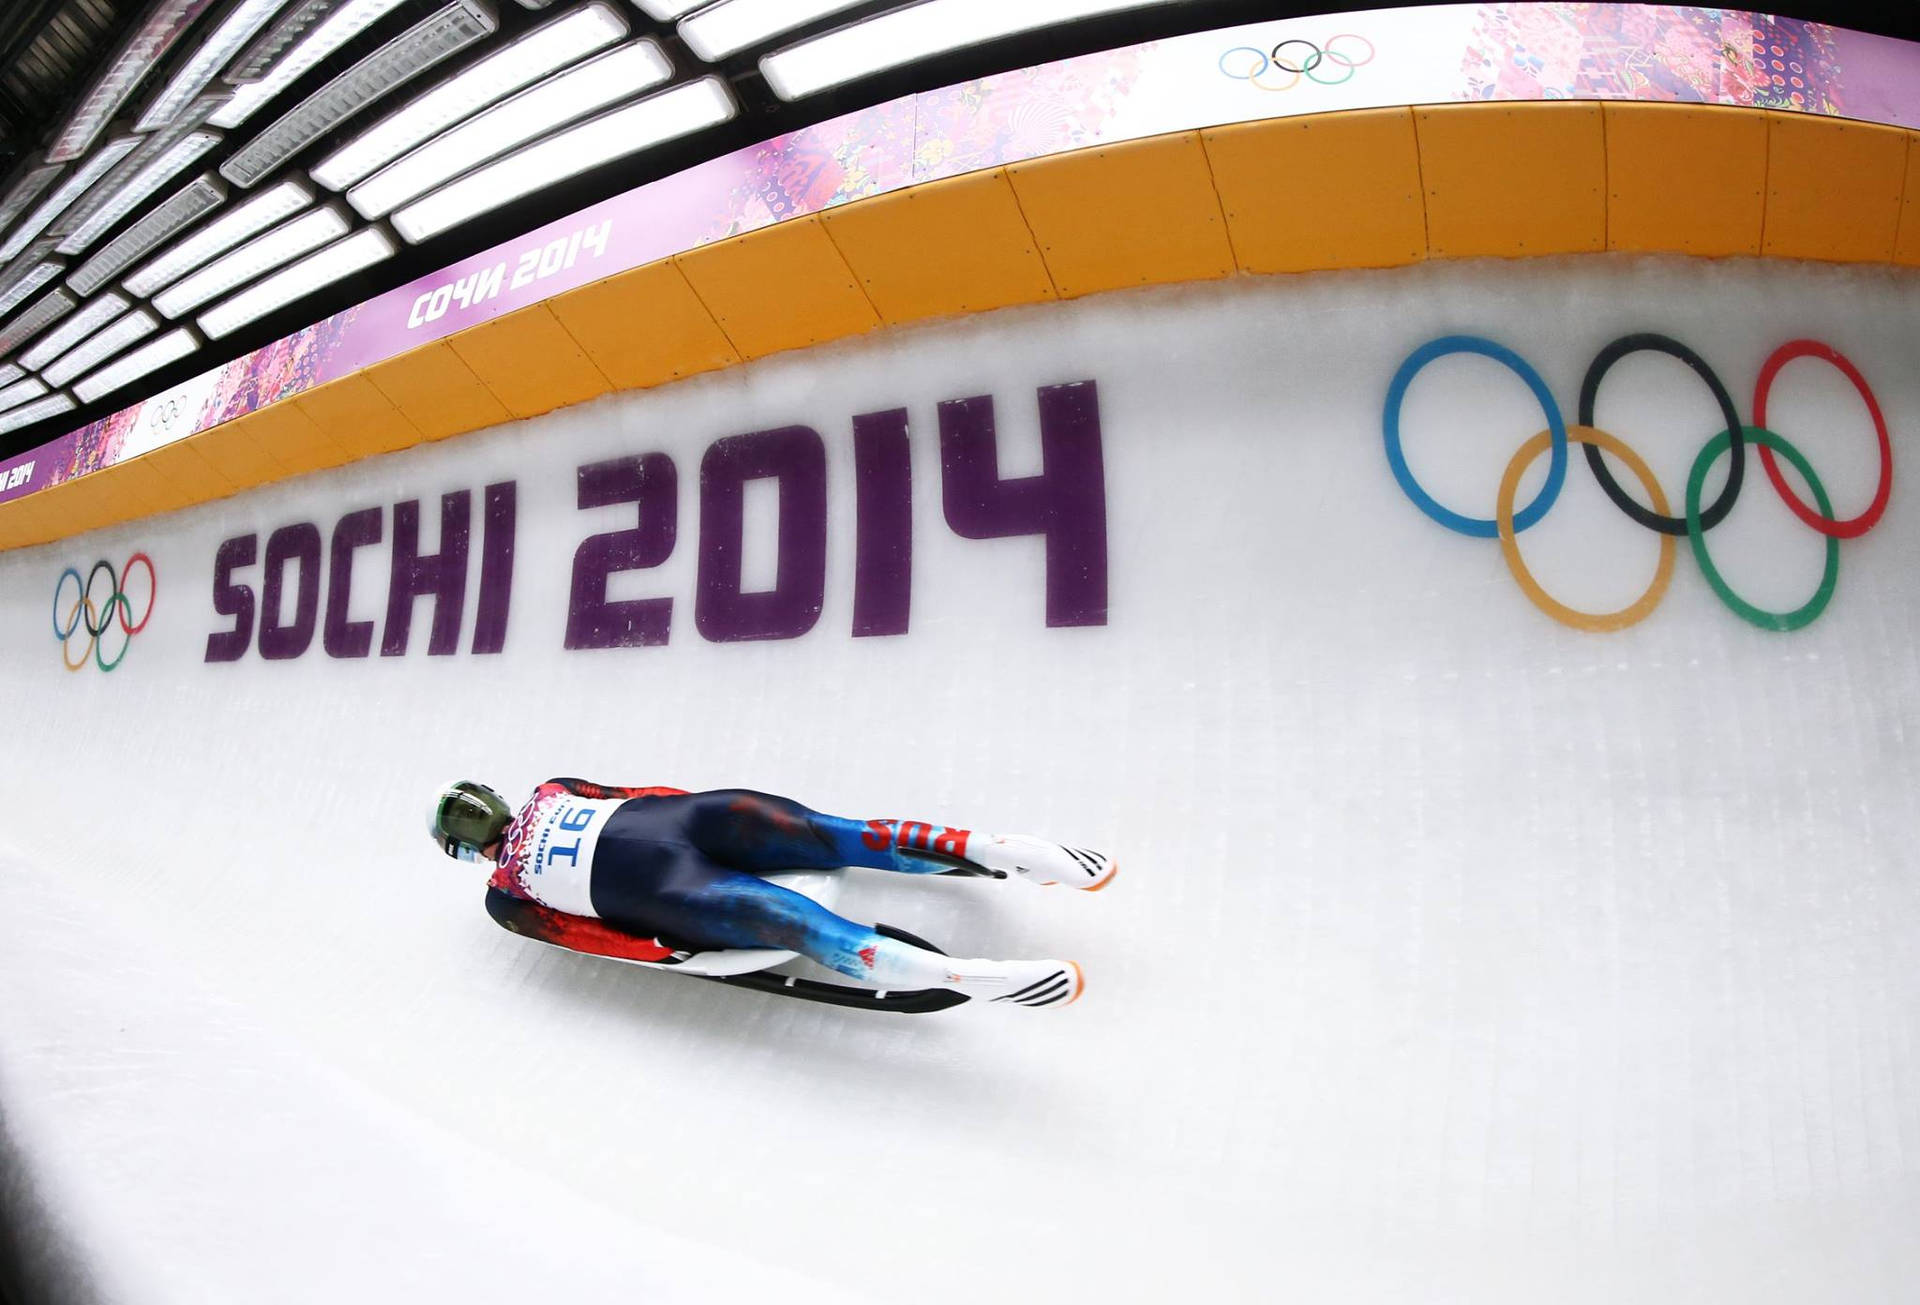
[1221, 63]
[1478, 527]
[58, 633]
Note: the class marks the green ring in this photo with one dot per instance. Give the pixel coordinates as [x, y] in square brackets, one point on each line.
[1328, 81]
[99, 644]
[1810, 611]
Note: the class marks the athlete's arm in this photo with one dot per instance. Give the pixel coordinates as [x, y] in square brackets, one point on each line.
[588, 789]
[577, 933]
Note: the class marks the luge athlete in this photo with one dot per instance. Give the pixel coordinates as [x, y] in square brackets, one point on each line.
[597, 867]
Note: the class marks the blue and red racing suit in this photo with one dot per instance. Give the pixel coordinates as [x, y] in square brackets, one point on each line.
[639, 873]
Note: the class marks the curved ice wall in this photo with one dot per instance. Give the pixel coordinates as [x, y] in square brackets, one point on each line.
[1458, 951]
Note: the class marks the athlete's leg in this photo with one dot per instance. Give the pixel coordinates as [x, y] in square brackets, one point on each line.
[760, 832]
[691, 902]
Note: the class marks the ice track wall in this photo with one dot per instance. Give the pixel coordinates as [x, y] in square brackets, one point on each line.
[1459, 953]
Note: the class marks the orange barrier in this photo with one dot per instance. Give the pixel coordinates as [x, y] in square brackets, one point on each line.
[1363, 189]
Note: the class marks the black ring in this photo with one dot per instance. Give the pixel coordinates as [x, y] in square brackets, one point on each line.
[1737, 461]
[1313, 60]
[106, 610]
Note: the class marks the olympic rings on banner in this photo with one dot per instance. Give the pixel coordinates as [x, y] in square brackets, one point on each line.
[1697, 521]
[1295, 58]
[96, 619]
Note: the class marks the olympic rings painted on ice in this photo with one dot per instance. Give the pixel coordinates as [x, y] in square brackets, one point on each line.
[1295, 58]
[1697, 521]
[97, 619]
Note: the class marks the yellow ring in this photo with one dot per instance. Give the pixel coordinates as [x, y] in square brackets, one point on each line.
[1510, 546]
[74, 666]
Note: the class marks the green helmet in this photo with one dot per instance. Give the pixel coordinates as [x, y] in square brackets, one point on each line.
[467, 817]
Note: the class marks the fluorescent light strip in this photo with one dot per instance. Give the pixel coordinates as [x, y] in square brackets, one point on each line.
[26, 190]
[919, 32]
[286, 241]
[617, 75]
[155, 36]
[405, 57]
[544, 50]
[71, 189]
[684, 109]
[25, 282]
[9, 373]
[200, 196]
[184, 154]
[51, 406]
[665, 10]
[220, 235]
[170, 347]
[150, 148]
[735, 25]
[353, 19]
[341, 259]
[15, 395]
[253, 62]
[136, 325]
[84, 323]
[48, 309]
[209, 57]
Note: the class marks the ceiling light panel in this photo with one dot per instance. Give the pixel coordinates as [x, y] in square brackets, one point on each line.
[51, 406]
[19, 392]
[69, 190]
[27, 276]
[208, 58]
[26, 190]
[667, 10]
[83, 324]
[184, 153]
[252, 63]
[444, 33]
[197, 198]
[96, 349]
[156, 34]
[146, 151]
[919, 32]
[48, 309]
[545, 50]
[608, 79]
[735, 25]
[285, 242]
[9, 373]
[342, 26]
[169, 348]
[220, 235]
[341, 259]
[670, 114]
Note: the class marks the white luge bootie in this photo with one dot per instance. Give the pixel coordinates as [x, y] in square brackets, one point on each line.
[1038, 861]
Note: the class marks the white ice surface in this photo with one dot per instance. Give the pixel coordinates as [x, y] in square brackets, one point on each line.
[1457, 955]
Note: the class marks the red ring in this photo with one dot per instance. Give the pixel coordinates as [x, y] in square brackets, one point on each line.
[125, 607]
[1856, 526]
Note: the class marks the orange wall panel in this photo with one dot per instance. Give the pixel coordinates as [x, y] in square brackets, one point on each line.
[529, 362]
[1685, 178]
[1140, 213]
[357, 416]
[1513, 181]
[782, 287]
[954, 246]
[236, 455]
[1833, 188]
[1906, 245]
[645, 327]
[157, 492]
[1364, 207]
[437, 392]
[286, 432]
